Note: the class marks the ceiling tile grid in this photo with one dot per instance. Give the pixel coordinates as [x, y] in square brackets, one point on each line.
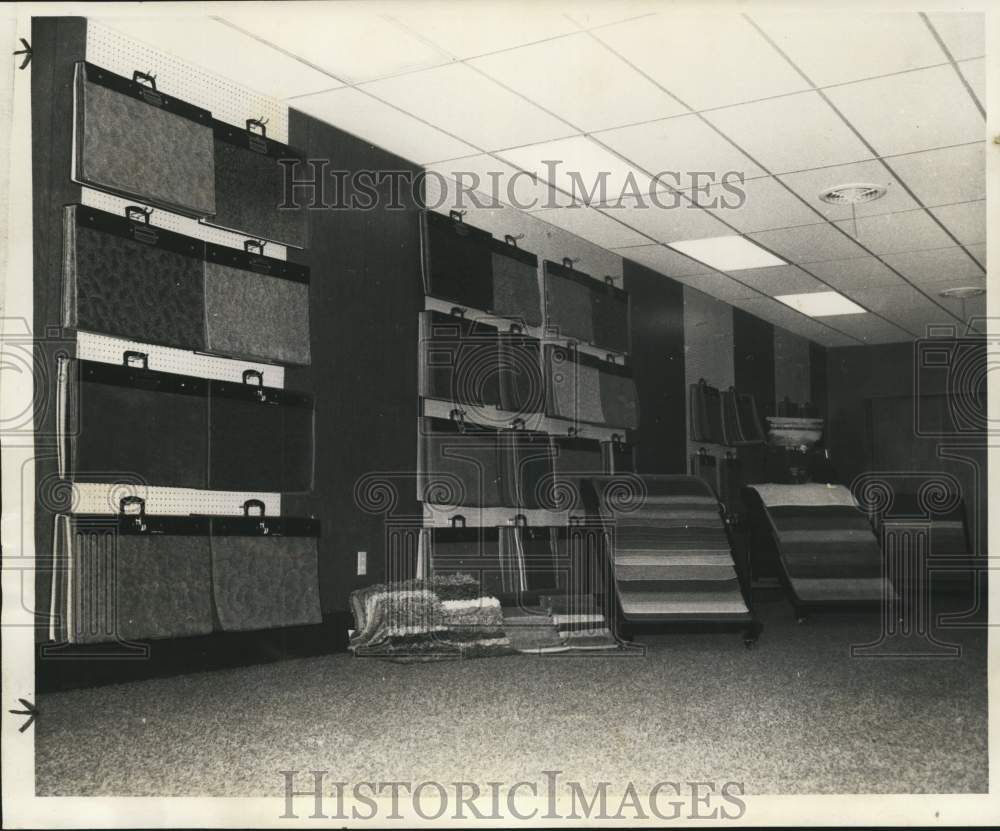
[912, 111]
[665, 260]
[579, 80]
[892, 233]
[792, 103]
[467, 104]
[810, 243]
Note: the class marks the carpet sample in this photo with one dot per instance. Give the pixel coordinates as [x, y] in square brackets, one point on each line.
[256, 307]
[532, 631]
[825, 543]
[572, 388]
[522, 389]
[580, 387]
[805, 495]
[265, 577]
[569, 307]
[261, 438]
[457, 261]
[574, 460]
[250, 187]
[459, 360]
[485, 555]
[458, 464]
[610, 310]
[525, 469]
[670, 556]
[619, 399]
[133, 141]
[127, 424]
[117, 582]
[515, 284]
[127, 278]
[750, 427]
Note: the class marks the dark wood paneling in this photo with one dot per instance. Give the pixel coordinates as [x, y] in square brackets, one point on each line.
[656, 310]
[753, 360]
[871, 406]
[364, 297]
[817, 377]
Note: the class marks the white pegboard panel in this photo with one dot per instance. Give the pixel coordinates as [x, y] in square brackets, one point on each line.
[439, 516]
[226, 100]
[101, 498]
[174, 222]
[435, 304]
[108, 350]
[501, 419]
[483, 416]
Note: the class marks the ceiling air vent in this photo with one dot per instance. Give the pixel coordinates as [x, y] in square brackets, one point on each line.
[853, 194]
[963, 292]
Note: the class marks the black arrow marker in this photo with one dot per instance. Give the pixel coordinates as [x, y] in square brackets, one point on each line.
[27, 59]
[32, 712]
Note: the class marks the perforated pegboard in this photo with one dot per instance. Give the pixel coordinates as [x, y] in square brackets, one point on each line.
[100, 498]
[439, 516]
[174, 222]
[108, 350]
[501, 419]
[227, 101]
[435, 304]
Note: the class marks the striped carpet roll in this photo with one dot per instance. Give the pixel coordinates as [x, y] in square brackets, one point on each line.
[825, 544]
[670, 552]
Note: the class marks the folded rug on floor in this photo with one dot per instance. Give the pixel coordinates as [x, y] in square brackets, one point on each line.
[444, 617]
[561, 624]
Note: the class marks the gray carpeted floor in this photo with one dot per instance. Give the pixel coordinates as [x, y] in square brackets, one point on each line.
[795, 715]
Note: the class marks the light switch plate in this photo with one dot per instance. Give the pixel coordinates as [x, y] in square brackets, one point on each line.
[362, 563]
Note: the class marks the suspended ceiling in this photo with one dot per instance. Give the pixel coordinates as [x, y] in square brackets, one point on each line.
[794, 103]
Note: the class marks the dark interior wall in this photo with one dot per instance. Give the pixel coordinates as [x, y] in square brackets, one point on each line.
[874, 393]
[656, 308]
[753, 360]
[855, 374]
[365, 293]
[817, 377]
[57, 43]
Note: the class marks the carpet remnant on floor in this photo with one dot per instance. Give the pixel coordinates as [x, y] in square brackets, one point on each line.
[426, 620]
[559, 624]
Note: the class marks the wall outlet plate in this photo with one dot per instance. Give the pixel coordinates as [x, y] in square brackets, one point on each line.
[362, 563]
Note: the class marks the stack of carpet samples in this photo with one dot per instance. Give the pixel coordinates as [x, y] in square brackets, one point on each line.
[426, 620]
[559, 624]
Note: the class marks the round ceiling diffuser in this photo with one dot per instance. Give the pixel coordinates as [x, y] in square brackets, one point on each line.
[963, 292]
[852, 194]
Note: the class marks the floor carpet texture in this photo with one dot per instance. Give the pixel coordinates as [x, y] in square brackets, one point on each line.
[797, 714]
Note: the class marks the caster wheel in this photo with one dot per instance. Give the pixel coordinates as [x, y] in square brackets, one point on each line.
[801, 619]
[750, 643]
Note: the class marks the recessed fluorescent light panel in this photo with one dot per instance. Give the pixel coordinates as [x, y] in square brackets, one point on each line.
[821, 304]
[727, 253]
